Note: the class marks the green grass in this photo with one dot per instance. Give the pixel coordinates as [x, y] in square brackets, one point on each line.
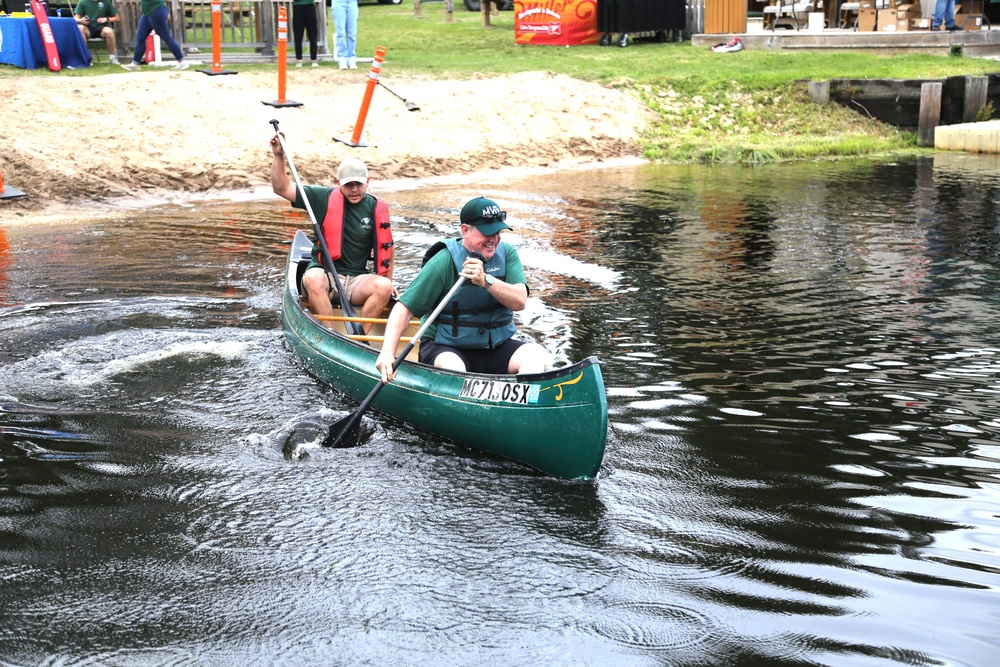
[750, 106]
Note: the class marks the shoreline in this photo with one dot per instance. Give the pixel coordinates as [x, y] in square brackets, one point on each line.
[177, 137]
[61, 213]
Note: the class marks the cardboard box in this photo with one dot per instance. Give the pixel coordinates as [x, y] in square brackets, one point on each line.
[973, 22]
[909, 25]
[908, 11]
[886, 20]
[866, 4]
[866, 20]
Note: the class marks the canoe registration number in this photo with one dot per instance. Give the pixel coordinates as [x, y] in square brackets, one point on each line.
[500, 392]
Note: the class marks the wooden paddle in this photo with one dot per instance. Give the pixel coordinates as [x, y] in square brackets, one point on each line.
[345, 304]
[344, 433]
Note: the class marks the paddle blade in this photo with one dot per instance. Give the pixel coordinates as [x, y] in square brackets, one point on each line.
[351, 431]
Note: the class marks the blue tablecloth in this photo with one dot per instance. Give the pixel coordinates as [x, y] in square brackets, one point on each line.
[21, 43]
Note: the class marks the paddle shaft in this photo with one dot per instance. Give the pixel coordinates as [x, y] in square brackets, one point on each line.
[324, 251]
[409, 105]
[355, 417]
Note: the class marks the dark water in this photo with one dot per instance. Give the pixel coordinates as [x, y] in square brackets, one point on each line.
[803, 367]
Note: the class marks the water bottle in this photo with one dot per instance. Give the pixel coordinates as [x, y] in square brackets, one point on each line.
[59, 12]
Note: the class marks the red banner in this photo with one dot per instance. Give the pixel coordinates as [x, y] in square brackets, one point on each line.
[555, 22]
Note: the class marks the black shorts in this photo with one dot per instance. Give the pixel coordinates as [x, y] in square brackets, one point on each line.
[96, 28]
[478, 360]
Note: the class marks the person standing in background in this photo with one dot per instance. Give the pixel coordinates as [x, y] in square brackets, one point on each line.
[944, 13]
[304, 21]
[154, 17]
[345, 18]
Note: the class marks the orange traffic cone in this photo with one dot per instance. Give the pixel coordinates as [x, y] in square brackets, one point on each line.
[8, 192]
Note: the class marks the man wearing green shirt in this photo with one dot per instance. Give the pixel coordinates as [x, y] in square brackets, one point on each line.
[475, 330]
[355, 226]
[95, 18]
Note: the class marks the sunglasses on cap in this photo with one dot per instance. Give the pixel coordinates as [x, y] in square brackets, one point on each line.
[497, 216]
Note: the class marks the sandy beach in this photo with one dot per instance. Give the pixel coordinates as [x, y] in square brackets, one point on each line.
[84, 146]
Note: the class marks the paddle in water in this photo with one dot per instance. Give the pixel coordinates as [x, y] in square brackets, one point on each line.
[344, 433]
[345, 304]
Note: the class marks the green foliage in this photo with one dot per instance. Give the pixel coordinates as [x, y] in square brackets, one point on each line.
[985, 112]
[748, 107]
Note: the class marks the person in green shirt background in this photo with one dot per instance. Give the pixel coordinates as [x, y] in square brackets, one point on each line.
[96, 18]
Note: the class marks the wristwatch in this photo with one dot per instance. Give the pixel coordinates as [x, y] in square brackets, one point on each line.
[489, 281]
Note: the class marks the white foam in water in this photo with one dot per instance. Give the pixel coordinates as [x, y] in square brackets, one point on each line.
[960, 428]
[740, 412]
[569, 266]
[225, 349]
[90, 361]
[658, 404]
[858, 470]
[876, 437]
[965, 354]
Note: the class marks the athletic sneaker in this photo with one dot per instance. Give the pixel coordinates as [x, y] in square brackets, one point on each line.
[352, 63]
[315, 64]
[342, 62]
[132, 66]
[729, 47]
[114, 59]
[298, 63]
[181, 65]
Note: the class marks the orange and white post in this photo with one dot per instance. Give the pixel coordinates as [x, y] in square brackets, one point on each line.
[282, 61]
[373, 75]
[216, 35]
[216, 41]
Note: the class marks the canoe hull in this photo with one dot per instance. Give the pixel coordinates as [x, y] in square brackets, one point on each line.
[555, 422]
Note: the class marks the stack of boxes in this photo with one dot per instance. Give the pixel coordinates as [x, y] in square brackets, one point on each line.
[896, 16]
[908, 18]
[903, 15]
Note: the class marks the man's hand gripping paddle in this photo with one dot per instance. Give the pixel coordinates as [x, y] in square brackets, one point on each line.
[344, 433]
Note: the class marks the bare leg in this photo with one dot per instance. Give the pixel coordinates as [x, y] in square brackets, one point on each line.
[317, 287]
[109, 37]
[372, 294]
[450, 361]
[529, 358]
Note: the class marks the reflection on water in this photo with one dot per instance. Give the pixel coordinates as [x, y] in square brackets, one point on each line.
[803, 369]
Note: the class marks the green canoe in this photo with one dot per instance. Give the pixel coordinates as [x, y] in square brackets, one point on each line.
[556, 422]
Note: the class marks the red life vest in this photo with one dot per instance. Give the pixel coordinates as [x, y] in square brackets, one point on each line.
[333, 230]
